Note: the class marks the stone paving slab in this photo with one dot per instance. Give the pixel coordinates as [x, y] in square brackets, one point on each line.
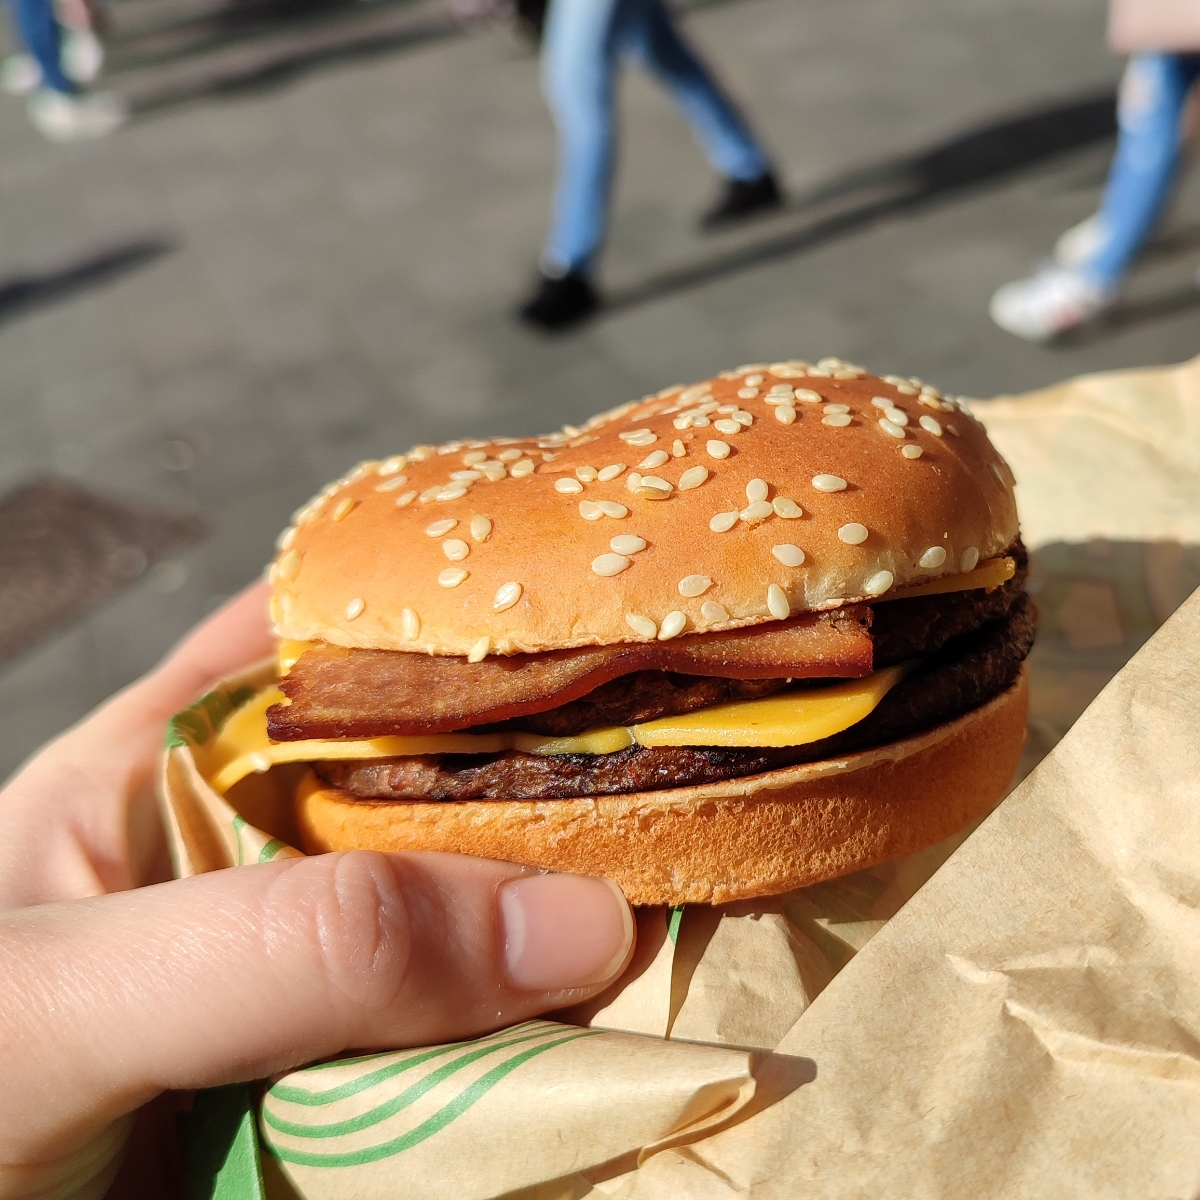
[343, 251]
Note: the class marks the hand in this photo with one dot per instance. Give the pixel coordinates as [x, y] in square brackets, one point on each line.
[112, 991]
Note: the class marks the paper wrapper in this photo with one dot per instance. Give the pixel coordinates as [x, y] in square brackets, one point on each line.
[1025, 1026]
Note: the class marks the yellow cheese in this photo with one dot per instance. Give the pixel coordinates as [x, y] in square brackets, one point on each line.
[242, 747]
[990, 574]
[289, 652]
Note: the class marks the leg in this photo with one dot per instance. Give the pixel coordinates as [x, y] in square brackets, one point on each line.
[40, 32]
[647, 30]
[578, 68]
[1153, 93]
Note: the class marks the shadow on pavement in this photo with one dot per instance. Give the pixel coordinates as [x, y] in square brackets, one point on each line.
[21, 293]
[848, 203]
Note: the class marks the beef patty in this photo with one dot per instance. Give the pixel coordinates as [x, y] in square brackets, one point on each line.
[964, 673]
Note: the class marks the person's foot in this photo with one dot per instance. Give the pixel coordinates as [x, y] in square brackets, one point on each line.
[82, 55]
[64, 118]
[561, 302]
[1049, 303]
[743, 198]
[19, 74]
[1080, 242]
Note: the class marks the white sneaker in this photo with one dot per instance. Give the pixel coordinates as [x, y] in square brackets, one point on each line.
[19, 74]
[1080, 243]
[82, 55]
[1051, 302]
[64, 118]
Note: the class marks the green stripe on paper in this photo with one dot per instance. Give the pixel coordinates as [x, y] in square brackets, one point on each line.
[269, 851]
[674, 920]
[238, 823]
[427, 1128]
[389, 1108]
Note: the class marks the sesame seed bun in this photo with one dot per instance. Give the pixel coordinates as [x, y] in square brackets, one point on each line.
[717, 842]
[776, 508]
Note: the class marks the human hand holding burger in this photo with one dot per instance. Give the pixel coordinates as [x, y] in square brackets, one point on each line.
[115, 987]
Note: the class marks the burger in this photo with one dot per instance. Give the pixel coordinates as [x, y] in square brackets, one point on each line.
[728, 640]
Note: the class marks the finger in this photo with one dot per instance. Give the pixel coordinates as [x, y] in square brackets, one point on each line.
[242, 973]
[79, 819]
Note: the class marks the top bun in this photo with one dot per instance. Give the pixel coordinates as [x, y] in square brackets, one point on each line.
[767, 491]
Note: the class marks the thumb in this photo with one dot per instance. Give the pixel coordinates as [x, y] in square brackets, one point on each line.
[238, 974]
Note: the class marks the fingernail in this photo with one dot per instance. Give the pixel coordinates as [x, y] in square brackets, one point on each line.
[563, 931]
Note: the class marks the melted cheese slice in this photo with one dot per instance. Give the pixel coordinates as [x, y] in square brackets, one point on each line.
[793, 719]
[990, 574]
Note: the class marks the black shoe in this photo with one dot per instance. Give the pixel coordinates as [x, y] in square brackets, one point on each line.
[743, 198]
[559, 303]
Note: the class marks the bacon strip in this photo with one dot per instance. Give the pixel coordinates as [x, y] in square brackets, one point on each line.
[339, 693]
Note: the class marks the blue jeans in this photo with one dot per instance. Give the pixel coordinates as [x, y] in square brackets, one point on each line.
[1153, 92]
[582, 43]
[41, 34]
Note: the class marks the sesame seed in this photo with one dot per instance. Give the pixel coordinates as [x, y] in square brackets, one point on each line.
[568, 487]
[390, 466]
[927, 389]
[777, 603]
[930, 425]
[911, 451]
[390, 485]
[890, 427]
[610, 564]
[836, 420]
[747, 393]
[586, 474]
[440, 527]
[493, 472]
[836, 408]
[466, 476]
[969, 560]
[589, 510]
[673, 624]
[786, 508]
[693, 477]
[717, 449]
[950, 429]
[286, 538]
[700, 422]
[627, 543]
[522, 468]
[829, 483]
[878, 583]
[723, 522]
[355, 608]
[410, 624]
[452, 577]
[479, 651]
[750, 380]
[288, 566]
[714, 613]
[678, 449]
[820, 372]
[932, 558]
[785, 414]
[727, 409]
[610, 472]
[406, 499]
[789, 555]
[656, 459]
[474, 458]
[642, 626]
[853, 534]
[507, 594]
[509, 455]
[610, 508]
[456, 492]
[684, 422]
[651, 487]
[756, 511]
[727, 425]
[931, 402]
[431, 493]
[481, 528]
[757, 489]
[998, 473]
[694, 585]
[905, 390]
[343, 507]
[633, 480]
[743, 418]
[883, 402]
[897, 415]
[455, 549]
[638, 437]
[807, 395]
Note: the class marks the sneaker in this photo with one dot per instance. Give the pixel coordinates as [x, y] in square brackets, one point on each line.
[1049, 303]
[19, 74]
[562, 302]
[1080, 242]
[82, 55]
[743, 198]
[64, 118]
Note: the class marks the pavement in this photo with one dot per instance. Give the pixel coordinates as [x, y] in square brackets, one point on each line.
[306, 247]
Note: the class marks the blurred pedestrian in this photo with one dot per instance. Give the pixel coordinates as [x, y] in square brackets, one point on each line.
[59, 60]
[582, 43]
[1092, 259]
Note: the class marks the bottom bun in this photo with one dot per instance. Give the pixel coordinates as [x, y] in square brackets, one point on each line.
[717, 842]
